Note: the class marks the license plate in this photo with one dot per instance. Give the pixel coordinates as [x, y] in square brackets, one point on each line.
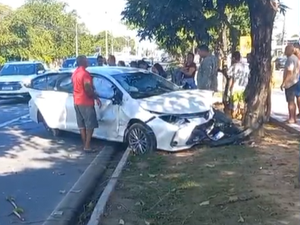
[8, 88]
[218, 136]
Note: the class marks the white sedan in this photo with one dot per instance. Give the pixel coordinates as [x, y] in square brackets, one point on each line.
[139, 108]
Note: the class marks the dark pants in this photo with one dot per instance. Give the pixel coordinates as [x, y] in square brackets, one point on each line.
[290, 93]
[86, 117]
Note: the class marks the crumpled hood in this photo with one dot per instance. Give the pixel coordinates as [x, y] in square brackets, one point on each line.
[179, 102]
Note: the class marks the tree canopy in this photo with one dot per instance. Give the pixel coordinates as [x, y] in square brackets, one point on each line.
[200, 21]
[45, 30]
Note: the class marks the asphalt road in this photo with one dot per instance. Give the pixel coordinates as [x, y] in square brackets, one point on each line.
[11, 109]
[35, 169]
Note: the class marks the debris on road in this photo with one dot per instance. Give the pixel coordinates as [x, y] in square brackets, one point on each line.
[17, 211]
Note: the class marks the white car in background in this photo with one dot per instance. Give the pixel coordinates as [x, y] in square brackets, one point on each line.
[14, 76]
[139, 108]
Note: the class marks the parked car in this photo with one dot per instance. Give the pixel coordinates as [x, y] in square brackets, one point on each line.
[280, 63]
[139, 109]
[70, 63]
[14, 75]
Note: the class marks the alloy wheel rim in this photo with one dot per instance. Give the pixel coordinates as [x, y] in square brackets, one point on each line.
[137, 141]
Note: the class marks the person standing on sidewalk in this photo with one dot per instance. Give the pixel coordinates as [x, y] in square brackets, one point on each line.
[297, 53]
[100, 60]
[189, 71]
[207, 77]
[111, 60]
[84, 98]
[238, 75]
[290, 81]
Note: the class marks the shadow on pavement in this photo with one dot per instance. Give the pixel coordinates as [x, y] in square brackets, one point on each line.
[37, 170]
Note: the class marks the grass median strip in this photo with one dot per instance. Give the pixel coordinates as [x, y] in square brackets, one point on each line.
[230, 185]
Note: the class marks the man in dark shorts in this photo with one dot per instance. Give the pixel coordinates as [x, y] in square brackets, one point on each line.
[290, 80]
[84, 98]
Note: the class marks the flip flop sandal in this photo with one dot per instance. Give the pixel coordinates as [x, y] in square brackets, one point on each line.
[290, 122]
[89, 150]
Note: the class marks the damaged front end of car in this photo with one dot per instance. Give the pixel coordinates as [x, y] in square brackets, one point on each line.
[211, 127]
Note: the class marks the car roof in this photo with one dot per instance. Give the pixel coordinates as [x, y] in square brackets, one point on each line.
[23, 62]
[89, 57]
[104, 70]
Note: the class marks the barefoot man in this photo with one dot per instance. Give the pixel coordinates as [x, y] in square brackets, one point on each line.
[290, 80]
[84, 98]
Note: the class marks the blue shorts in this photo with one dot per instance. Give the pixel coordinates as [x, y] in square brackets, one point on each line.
[297, 91]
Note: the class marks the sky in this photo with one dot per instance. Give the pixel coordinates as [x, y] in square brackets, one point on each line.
[95, 17]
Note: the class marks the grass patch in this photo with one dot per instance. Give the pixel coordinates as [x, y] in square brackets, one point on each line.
[224, 186]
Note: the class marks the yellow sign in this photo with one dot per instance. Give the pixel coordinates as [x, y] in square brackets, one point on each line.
[245, 45]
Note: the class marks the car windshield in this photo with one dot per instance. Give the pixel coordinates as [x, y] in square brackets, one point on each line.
[17, 69]
[144, 84]
[70, 63]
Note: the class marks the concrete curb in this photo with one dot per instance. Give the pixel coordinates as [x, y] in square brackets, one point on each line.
[102, 202]
[67, 210]
[280, 123]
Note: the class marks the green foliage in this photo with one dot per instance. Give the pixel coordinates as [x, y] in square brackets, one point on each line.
[45, 30]
[175, 25]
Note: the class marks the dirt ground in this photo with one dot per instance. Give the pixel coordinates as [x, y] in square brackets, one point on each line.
[251, 184]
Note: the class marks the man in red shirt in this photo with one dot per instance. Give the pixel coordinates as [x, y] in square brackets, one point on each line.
[84, 98]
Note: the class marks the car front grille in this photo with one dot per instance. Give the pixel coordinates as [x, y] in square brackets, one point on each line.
[10, 86]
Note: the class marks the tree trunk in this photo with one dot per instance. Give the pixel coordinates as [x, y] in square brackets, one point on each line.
[262, 17]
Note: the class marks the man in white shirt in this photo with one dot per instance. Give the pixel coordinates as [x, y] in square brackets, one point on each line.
[238, 75]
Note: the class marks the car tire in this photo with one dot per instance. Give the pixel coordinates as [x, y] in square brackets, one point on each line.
[53, 132]
[140, 139]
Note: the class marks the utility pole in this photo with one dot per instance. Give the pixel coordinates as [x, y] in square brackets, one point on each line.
[283, 33]
[76, 37]
[106, 40]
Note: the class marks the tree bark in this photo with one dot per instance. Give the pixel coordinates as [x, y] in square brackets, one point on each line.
[262, 17]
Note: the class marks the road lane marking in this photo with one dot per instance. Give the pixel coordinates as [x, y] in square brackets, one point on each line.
[13, 120]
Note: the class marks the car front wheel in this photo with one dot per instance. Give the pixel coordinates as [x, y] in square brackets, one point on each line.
[141, 139]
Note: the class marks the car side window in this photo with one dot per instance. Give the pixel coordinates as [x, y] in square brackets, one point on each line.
[65, 84]
[40, 67]
[46, 82]
[103, 87]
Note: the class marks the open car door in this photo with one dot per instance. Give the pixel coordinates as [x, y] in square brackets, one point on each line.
[108, 113]
[51, 104]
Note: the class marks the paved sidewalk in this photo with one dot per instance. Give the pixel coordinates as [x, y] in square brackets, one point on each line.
[280, 112]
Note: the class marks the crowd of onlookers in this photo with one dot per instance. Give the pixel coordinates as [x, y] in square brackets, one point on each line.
[141, 64]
